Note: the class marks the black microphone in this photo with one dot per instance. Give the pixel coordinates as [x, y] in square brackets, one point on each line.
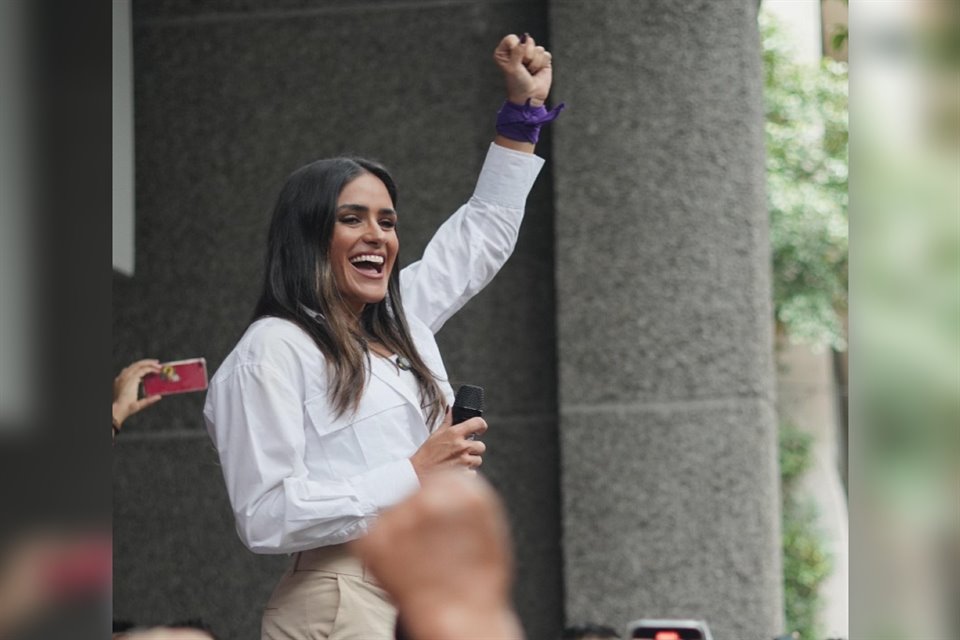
[467, 404]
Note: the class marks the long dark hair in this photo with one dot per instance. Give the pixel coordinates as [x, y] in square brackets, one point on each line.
[299, 280]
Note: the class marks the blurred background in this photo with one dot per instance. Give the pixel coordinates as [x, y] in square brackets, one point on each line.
[676, 423]
[905, 317]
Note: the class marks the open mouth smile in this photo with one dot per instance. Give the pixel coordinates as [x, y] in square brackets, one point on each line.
[369, 264]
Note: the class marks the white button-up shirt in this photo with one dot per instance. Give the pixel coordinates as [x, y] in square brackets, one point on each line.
[299, 476]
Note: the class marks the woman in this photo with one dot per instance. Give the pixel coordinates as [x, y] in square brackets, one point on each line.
[333, 405]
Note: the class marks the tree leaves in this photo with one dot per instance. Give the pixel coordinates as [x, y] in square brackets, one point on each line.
[806, 141]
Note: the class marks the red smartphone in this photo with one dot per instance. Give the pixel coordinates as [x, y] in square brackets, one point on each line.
[650, 629]
[179, 376]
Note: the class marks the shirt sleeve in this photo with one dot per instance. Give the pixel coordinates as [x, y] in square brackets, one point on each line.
[255, 417]
[474, 243]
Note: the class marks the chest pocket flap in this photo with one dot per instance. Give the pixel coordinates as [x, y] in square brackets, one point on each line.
[377, 399]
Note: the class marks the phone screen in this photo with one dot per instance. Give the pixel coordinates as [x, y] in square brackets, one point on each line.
[666, 632]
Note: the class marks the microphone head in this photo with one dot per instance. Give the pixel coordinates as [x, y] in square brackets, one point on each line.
[469, 396]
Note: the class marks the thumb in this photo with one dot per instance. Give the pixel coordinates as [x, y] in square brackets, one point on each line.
[517, 51]
[143, 403]
[447, 419]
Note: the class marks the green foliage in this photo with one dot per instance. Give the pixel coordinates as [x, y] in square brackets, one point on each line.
[795, 457]
[841, 33]
[805, 562]
[840, 37]
[806, 140]
[805, 567]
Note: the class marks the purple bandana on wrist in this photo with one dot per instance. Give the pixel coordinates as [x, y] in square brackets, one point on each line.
[523, 122]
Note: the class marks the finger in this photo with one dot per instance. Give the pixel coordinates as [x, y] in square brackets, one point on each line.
[139, 369]
[476, 447]
[502, 55]
[447, 419]
[506, 45]
[473, 426]
[541, 58]
[529, 47]
[147, 364]
[517, 54]
[146, 370]
[479, 426]
[470, 461]
[143, 403]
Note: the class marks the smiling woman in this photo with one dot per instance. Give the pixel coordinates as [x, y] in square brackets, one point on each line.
[318, 425]
[364, 244]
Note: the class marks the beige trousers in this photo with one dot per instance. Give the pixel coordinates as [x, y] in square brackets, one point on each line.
[327, 594]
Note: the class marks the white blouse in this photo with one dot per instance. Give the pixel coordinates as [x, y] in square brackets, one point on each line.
[299, 476]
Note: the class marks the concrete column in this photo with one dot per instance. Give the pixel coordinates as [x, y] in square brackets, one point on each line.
[667, 422]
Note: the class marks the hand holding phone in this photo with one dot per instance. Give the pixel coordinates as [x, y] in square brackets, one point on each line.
[126, 385]
[179, 376]
[650, 629]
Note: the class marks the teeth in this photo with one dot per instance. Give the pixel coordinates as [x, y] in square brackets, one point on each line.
[367, 258]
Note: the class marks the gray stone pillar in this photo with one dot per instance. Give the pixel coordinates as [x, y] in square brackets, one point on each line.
[667, 426]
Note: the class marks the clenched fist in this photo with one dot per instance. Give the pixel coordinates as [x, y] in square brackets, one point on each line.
[527, 69]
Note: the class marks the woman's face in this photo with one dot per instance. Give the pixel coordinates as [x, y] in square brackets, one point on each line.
[364, 245]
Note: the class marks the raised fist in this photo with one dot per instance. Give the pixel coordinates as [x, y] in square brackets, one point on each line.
[527, 69]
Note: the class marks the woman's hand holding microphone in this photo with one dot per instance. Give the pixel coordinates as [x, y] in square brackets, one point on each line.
[449, 447]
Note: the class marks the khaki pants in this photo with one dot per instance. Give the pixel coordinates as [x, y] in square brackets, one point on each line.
[327, 594]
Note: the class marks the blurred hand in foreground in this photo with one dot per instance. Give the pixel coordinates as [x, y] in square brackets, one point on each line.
[444, 556]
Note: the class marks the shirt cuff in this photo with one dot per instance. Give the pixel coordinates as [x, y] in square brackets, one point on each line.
[507, 176]
[385, 486]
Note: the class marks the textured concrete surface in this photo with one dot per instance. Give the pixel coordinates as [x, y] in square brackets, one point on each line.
[668, 443]
[176, 554]
[666, 507]
[230, 97]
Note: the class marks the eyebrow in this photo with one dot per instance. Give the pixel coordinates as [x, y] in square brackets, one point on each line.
[359, 208]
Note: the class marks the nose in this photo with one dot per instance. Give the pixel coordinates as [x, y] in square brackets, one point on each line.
[373, 232]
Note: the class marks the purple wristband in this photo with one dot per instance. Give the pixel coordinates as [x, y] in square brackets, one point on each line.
[523, 122]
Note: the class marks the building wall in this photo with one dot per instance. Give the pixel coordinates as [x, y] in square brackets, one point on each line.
[230, 97]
